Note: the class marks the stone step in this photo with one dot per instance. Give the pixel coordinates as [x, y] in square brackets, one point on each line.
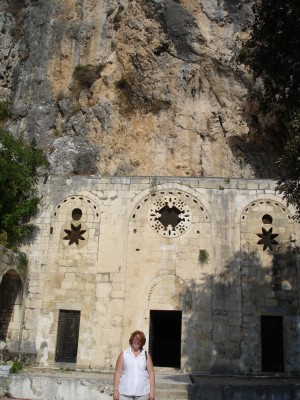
[174, 394]
[171, 386]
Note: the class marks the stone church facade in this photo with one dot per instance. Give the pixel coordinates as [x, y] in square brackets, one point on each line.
[208, 268]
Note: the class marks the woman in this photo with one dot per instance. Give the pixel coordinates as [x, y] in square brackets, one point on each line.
[134, 375]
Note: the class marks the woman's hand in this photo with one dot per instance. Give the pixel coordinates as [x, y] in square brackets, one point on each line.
[116, 395]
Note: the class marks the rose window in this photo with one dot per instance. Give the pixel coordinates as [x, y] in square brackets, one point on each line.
[169, 216]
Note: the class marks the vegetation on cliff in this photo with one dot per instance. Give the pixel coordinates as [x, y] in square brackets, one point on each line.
[18, 196]
[272, 53]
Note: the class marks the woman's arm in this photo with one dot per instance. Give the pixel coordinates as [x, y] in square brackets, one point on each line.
[150, 370]
[117, 376]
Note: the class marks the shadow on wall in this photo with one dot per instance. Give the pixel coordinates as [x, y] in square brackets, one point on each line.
[243, 319]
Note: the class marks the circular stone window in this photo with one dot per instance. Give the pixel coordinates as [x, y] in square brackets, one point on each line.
[169, 216]
[267, 219]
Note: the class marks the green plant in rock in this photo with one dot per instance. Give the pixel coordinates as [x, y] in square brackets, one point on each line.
[203, 257]
[18, 197]
[16, 367]
[23, 260]
[5, 110]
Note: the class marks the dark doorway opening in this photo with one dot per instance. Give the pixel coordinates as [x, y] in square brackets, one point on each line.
[272, 358]
[165, 338]
[67, 336]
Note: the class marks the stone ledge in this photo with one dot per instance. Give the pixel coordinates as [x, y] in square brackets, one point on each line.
[19, 356]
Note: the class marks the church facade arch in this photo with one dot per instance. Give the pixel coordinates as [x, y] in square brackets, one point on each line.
[70, 264]
[269, 283]
[168, 227]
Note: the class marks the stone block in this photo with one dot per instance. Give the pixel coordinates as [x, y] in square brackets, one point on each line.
[103, 290]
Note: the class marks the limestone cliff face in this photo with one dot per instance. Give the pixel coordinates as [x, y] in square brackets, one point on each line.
[130, 87]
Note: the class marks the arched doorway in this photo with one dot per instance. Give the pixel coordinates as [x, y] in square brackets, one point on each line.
[11, 295]
[165, 298]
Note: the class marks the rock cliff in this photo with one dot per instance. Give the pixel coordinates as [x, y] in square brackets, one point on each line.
[132, 87]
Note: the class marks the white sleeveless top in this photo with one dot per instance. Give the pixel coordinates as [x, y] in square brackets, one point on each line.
[135, 378]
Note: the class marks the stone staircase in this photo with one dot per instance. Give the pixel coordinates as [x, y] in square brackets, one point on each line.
[171, 393]
[170, 384]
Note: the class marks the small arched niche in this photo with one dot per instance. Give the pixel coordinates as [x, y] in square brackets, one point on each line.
[11, 299]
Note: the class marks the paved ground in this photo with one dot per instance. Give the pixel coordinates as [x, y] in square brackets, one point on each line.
[168, 378]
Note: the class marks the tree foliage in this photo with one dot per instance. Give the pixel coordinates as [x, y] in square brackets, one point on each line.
[289, 165]
[18, 196]
[272, 53]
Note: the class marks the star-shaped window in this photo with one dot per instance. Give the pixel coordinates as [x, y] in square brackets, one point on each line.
[267, 238]
[74, 234]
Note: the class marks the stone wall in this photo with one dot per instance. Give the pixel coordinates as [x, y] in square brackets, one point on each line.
[48, 388]
[221, 253]
[223, 388]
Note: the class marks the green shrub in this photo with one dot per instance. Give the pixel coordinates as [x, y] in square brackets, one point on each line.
[19, 199]
[23, 260]
[16, 367]
[5, 110]
[203, 257]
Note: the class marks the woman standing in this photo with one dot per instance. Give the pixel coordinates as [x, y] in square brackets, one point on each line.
[134, 374]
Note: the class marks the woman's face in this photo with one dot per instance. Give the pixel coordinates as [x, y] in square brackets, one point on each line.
[136, 342]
